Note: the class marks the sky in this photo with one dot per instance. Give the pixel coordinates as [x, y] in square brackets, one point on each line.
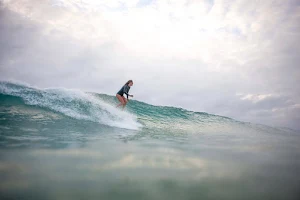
[236, 58]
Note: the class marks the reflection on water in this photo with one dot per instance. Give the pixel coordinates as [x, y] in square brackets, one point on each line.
[118, 170]
[46, 155]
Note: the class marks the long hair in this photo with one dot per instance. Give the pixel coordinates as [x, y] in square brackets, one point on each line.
[130, 81]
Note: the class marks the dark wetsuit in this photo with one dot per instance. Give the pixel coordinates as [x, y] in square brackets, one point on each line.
[125, 89]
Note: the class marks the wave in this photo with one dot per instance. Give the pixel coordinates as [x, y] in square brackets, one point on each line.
[72, 103]
[100, 108]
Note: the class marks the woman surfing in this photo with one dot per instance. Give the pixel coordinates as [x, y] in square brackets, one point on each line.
[124, 90]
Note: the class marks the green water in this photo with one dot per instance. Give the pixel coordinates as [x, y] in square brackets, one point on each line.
[66, 144]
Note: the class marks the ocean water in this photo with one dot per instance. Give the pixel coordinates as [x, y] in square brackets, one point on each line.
[65, 144]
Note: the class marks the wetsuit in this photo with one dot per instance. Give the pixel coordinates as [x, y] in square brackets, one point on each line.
[125, 89]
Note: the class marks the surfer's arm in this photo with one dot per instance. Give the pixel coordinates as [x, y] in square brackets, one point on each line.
[126, 90]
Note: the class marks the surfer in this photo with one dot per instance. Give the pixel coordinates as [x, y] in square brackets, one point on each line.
[124, 90]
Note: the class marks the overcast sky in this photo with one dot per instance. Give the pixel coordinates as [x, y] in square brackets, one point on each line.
[234, 58]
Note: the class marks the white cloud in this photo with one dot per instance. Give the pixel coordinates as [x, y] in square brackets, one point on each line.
[255, 97]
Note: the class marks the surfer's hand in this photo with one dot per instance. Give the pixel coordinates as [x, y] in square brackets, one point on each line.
[131, 95]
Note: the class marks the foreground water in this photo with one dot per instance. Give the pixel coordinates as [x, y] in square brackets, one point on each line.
[66, 144]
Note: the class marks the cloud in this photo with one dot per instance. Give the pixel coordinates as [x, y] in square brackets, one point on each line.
[255, 98]
[193, 54]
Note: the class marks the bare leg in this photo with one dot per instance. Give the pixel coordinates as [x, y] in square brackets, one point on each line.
[120, 98]
[125, 102]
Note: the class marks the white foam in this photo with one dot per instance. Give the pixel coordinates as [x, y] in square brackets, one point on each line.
[113, 115]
